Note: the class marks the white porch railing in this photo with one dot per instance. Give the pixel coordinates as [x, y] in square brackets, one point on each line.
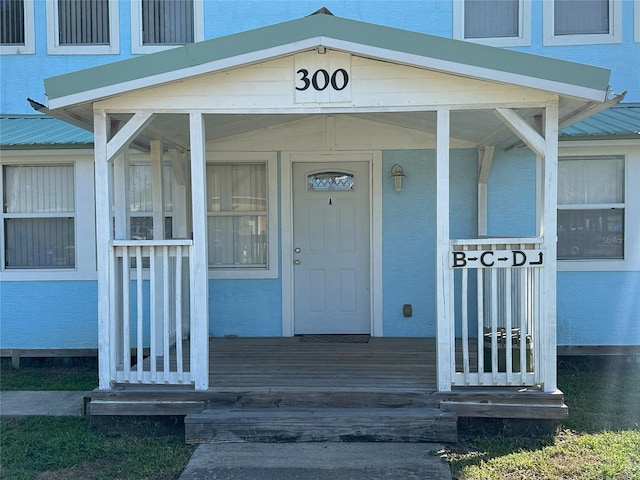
[498, 308]
[150, 311]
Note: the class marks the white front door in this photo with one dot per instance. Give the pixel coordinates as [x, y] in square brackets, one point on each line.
[331, 242]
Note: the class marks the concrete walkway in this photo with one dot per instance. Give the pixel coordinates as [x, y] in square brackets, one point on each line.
[317, 461]
[58, 404]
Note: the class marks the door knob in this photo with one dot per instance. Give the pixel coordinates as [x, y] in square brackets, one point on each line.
[297, 261]
[297, 250]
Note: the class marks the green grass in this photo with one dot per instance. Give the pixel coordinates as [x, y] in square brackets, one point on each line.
[599, 440]
[49, 374]
[66, 448]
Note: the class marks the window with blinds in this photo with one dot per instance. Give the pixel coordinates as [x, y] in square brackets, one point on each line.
[591, 208]
[493, 22]
[39, 216]
[167, 22]
[12, 22]
[16, 27]
[83, 22]
[491, 18]
[572, 22]
[237, 215]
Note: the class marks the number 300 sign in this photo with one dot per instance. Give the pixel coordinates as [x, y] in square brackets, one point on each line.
[321, 79]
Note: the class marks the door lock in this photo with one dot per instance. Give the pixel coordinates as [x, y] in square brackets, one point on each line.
[297, 250]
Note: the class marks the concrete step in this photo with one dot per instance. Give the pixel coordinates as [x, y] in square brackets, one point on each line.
[266, 425]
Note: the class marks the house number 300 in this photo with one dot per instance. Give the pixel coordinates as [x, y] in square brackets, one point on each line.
[320, 79]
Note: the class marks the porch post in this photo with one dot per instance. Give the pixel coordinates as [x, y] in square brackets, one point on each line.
[103, 236]
[548, 347]
[198, 259]
[444, 277]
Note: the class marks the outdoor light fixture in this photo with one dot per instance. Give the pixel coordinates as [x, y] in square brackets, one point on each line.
[398, 177]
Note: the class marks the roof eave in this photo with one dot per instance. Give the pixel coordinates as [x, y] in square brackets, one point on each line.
[385, 43]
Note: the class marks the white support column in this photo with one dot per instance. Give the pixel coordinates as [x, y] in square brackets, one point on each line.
[485, 157]
[198, 258]
[121, 195]
[106, 328]
[157, 200]
[180, 195]
[157, 195]
[444, 277]
[548, 351]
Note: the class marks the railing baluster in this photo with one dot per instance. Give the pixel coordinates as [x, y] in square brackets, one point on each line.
[178, 313]
[139, 316]
[525, 296]
[152, 314]
[494, 321]
[126, 320]
[480, 354]
[166, 311]
[508, 291]
[465, 325]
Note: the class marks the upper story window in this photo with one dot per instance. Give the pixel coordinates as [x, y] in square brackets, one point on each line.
[581, 22]
[591, 208]
[161, 24]
[82, 27]
[16, 27]
[493, 22]
[39, 216]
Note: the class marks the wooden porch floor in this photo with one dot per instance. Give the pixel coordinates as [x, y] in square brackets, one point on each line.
[381, 363]
[291, 372]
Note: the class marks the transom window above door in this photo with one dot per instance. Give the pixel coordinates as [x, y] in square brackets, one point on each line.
[334, 181]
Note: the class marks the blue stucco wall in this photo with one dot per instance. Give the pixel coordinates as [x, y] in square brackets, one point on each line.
[49, 314]
[23, 75]
[408, 239]
[245, 308]
[598, 308]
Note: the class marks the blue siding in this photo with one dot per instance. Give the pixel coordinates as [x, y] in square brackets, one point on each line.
[599, 308]
[55, 314]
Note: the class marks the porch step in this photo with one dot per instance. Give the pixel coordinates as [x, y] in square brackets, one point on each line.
[272, 425]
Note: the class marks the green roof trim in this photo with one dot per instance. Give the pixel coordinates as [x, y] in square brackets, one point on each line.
[326, 25]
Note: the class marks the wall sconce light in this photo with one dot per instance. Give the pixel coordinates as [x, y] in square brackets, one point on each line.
[398, 177]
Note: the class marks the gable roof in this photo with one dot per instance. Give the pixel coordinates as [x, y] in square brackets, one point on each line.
[324, 29]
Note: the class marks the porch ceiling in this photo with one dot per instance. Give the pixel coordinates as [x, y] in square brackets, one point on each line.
[473, 128]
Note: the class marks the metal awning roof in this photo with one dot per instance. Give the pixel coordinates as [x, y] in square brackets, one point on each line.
[619, 121]
[37, 131]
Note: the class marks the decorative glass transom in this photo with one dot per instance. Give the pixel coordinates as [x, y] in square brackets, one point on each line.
[324, 181]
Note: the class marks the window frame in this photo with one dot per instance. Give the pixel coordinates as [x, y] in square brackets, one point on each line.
[53, 42]
[29, 46]
[136, 28]
[551, 39]
[270, 159]
[84, 208]
[524, 27]
[631, 252]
